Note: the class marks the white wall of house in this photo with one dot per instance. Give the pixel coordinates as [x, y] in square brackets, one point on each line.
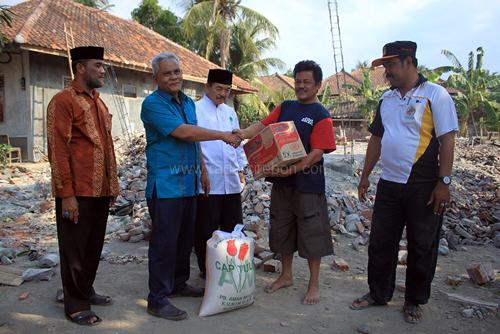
[16, 123]
[45, 75]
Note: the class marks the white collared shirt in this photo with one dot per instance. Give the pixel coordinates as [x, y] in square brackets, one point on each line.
[410, 126]
[223, 162]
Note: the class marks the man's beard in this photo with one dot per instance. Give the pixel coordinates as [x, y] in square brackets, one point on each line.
[93, 83]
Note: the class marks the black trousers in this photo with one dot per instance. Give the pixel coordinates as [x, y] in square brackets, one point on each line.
[80, 247]
[215, 212]
[170, 246]
[397, 205]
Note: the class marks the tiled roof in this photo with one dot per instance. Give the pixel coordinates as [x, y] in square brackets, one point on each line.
[38, 25]
[377, 76]
[277, 81]
[350, 110]
[332, 82]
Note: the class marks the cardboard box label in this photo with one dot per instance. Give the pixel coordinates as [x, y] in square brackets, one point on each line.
[277, 145]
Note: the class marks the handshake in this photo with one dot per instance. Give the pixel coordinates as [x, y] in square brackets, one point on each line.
[233, 138]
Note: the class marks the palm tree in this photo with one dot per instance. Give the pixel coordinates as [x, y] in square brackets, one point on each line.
[361, 65]
[214, 20]
[246, 48]
[477, 90]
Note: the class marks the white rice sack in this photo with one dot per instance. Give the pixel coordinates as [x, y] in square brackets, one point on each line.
[230, 282]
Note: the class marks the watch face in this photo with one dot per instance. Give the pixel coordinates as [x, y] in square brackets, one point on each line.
[446, 180]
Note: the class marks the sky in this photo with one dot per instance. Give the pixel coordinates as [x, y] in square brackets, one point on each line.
[459, 26]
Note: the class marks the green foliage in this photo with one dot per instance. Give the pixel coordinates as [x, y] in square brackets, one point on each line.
[325, 98]
[4, 153]
[99, 4]
[289, 73]
[478, 91]
[361, 65]
[5, 18]
[150, 14]
[246, 48]
[366, 95]
[251, 110]
[274, 97]
[432, 75]
[230, 35]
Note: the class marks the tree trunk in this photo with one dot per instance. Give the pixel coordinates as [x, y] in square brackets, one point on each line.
[237, 102]
[464, 127]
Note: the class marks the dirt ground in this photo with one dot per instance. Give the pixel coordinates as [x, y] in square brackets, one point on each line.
[281, 312]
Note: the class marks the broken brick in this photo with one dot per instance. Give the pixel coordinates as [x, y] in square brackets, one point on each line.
[24, 295]
[272, 266]
[340, 264]
[265, 256]
[480, 273]
[454, 280]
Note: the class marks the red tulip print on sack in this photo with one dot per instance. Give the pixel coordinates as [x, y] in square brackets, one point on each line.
[231, 248]
[243, 251]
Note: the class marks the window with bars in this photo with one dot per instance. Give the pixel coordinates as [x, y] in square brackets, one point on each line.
[129, 90]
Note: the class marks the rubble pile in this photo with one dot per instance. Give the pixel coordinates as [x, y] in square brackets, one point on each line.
[129, 219]
[472, 219]
[474, 216]
[27, 215]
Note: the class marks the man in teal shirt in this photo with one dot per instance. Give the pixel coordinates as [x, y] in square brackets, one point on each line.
[175, 166]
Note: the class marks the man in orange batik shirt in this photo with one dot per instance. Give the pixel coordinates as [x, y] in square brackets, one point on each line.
[84, 180]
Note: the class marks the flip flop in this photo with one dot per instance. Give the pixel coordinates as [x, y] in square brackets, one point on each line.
[366, 298]
[410, 312]
[101, 300]
[83, 318]
[96, 299]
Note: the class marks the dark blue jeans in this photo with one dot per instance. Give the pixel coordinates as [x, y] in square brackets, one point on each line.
[397, 205]
[170, 246]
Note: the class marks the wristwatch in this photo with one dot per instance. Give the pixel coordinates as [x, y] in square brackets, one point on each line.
[445, 179]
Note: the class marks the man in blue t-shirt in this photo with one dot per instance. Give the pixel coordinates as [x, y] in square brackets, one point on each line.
[299, 213]
[175, 167]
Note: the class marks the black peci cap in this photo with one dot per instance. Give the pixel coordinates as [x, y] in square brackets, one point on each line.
[87, 52]
[224, 77]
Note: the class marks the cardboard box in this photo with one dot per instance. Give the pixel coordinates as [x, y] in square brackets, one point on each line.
[278, 145]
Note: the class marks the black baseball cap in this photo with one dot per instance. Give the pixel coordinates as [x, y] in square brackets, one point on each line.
[396, 49]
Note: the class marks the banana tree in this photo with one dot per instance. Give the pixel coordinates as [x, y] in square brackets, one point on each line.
[366, 95]
[477, 90]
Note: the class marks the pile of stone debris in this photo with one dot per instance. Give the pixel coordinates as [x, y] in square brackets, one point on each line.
[27, 219]
[474, 217]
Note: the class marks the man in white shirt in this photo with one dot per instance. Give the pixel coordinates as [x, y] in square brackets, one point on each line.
[413, 134]
[220, 206]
